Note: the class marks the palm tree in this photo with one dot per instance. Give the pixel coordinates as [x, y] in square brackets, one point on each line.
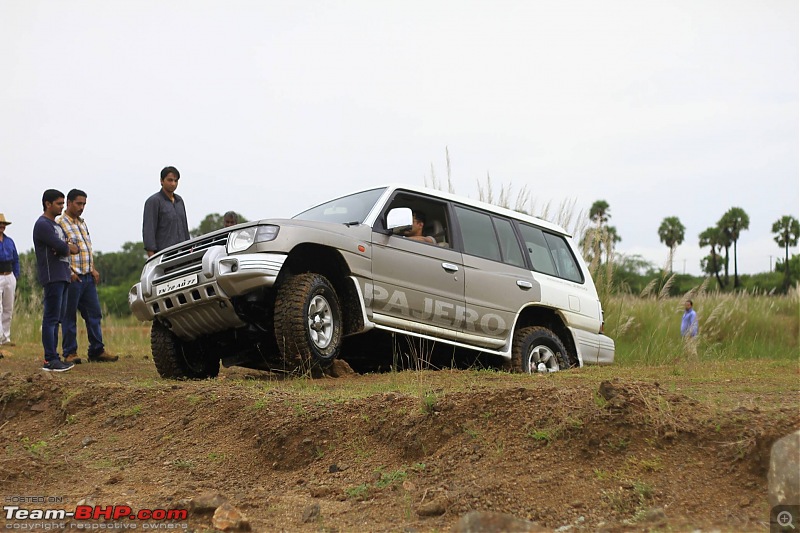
[709, 265]
[724, 242]
[602, 238]
[732, 223]
[714, 238]
[671, 233]
[787, 233]
[600, 212]
[611, 239]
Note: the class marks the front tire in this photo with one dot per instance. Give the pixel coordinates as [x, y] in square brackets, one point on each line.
[176, 359]
[537, 345]
[308, 321]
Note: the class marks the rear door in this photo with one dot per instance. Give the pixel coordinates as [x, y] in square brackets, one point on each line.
[498, 282]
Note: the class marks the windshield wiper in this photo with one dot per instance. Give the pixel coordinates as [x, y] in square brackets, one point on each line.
[355, 223]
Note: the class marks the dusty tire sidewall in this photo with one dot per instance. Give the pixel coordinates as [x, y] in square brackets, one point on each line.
[292, 329]
[531, 337]
[322, 287]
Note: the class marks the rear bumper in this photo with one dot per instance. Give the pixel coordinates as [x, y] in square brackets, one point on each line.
[607, 350]
[594, 348]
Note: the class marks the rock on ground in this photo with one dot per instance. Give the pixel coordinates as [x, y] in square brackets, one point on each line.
[490, 522]
[784, 471]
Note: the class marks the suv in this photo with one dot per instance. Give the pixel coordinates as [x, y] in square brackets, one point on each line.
[283, 293]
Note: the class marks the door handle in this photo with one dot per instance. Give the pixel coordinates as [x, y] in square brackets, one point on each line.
[450, 267]
[524, 284]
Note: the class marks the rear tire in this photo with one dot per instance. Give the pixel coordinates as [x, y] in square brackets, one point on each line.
[176, 359]
[536, 344]
[308, 322]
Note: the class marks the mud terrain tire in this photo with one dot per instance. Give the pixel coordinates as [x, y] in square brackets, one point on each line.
[308, 322]
[175, 359]
[538, 344]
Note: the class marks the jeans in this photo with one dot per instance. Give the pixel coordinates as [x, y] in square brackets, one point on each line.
[55, 294]
[82, 296]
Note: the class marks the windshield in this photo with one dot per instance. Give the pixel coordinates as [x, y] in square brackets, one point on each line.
[352, 208]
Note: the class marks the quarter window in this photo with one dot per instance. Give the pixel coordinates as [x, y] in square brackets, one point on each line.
[539, 252]
[550, 254]
[565, 261]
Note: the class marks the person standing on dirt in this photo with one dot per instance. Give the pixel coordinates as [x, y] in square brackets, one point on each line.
[82, 291]
[52, 266]
[689, 325]
[9, 272]
[164, 221]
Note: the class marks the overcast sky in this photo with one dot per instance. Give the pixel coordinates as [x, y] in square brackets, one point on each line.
[661, 108]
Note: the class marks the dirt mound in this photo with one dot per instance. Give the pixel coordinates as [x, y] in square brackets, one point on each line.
[371, 453]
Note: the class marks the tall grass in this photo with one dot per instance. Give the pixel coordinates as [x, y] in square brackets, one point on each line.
[121, 335]
[732, 326]
[646, 329]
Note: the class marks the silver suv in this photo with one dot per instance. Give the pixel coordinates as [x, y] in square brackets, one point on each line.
[282, 294]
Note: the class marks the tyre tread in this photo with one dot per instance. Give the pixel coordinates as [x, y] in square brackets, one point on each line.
[290, 326]
[169, 361]
[520, 337]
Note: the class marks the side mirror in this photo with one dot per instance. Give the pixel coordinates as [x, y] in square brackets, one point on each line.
[399, 219]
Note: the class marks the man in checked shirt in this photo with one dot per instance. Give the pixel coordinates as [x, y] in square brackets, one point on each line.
[82, 292]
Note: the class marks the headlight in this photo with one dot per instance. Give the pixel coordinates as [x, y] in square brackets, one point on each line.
[244, 238]
[146, 278]
[148, 269]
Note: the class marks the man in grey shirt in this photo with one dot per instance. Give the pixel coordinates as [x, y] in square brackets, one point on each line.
[164, 221]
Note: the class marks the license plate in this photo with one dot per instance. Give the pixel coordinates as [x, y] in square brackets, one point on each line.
[175, 284]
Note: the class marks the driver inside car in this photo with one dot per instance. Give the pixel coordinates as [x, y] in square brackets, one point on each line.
[415, 232]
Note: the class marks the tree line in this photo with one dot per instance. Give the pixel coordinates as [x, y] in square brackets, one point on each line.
[720, 238]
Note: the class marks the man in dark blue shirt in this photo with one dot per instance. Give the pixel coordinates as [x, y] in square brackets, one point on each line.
[9, 272]
[52, 265]
[164, 221]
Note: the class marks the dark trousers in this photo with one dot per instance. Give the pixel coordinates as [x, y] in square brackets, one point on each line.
[55, 294]
[82, 296]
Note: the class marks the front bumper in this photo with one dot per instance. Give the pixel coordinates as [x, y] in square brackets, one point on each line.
[204, 306]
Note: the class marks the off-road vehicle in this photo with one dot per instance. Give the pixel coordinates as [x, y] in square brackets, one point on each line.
[284, 293]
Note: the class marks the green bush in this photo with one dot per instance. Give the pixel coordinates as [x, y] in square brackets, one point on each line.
[114, 299]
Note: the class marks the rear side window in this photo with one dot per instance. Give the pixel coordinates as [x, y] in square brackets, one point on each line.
[537, 247]
[478, 234]
[565, 261]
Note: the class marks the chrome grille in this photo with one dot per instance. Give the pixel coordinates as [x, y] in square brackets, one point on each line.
[187, 258]
[175, 271]
[196, 245]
